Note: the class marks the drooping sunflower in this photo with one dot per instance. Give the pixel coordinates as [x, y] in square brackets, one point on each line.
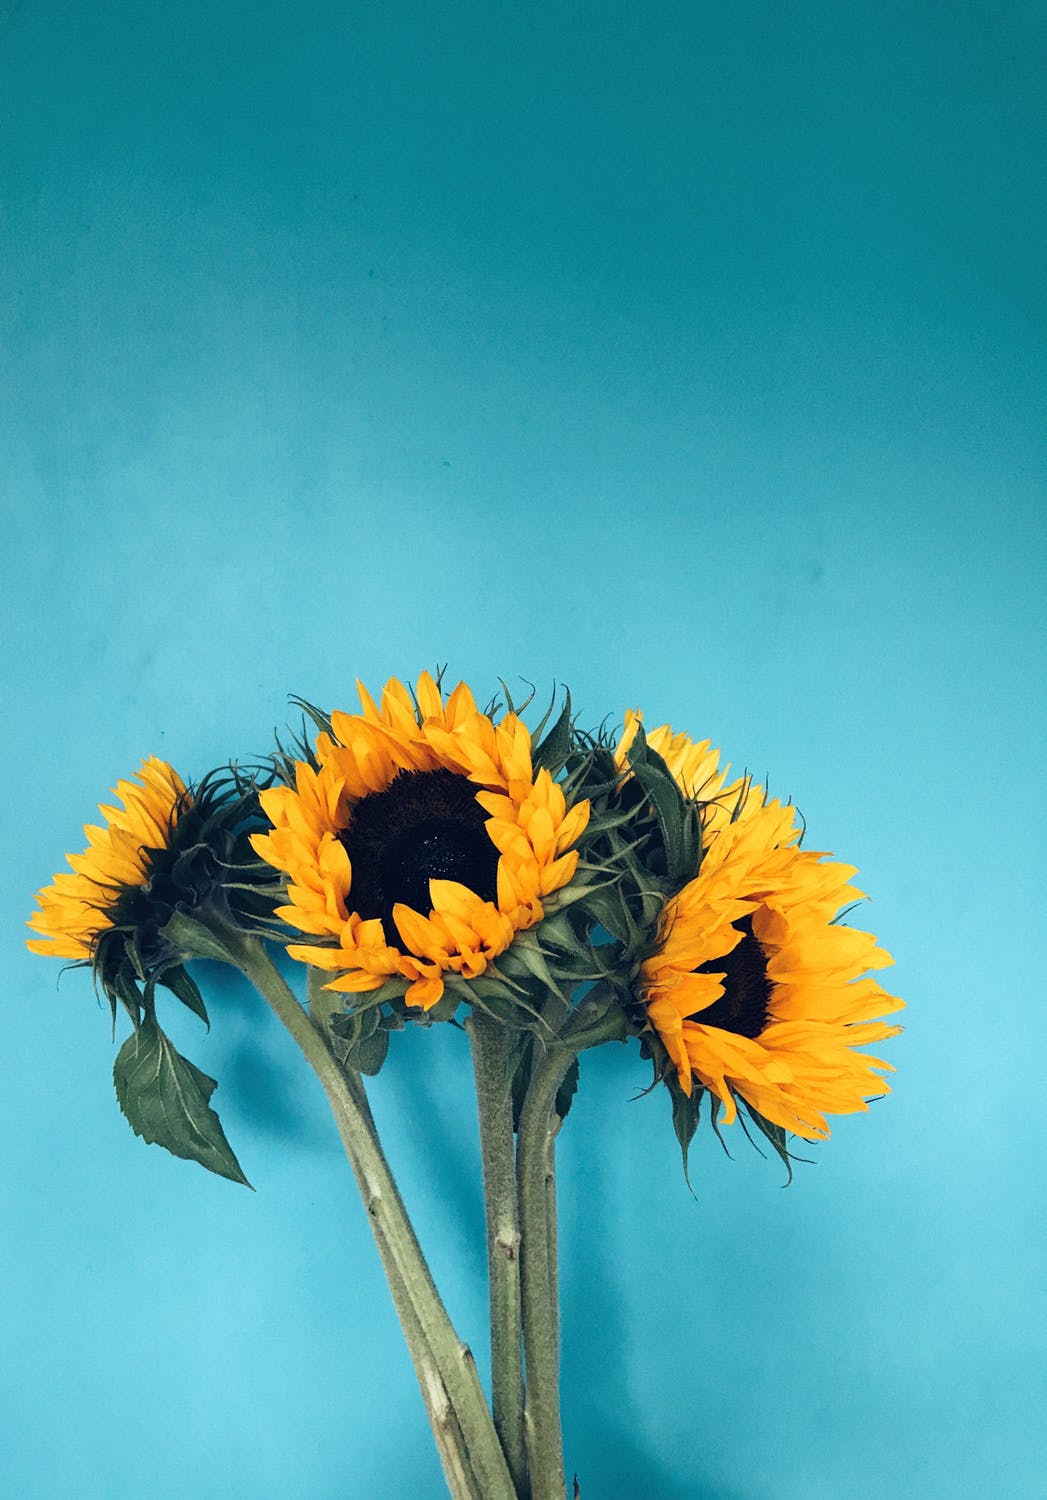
[423, 841]
[75, 910]
[756, 991]
[168, 848]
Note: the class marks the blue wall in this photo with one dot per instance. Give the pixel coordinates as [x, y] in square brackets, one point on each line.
[693, 356]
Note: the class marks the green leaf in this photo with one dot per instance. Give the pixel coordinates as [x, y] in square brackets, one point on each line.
[523, 1058]
[165, 1099]
[369, 1054]
[360, 1040]
[567, 1090]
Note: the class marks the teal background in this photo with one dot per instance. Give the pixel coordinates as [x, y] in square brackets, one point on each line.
[691, 355]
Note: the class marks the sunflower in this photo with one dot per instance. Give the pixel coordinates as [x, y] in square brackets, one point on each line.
[169, 849]
[75, 910]
[421, 842]
[756, 991]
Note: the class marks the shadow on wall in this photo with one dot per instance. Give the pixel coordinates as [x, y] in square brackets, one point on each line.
[258, 1067]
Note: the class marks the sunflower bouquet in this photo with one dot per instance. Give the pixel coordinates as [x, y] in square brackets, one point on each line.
[424, 861]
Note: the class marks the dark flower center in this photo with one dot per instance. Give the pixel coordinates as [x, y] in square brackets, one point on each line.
[425, 825]
[744, 1006]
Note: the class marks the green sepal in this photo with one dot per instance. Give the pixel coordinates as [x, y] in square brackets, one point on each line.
[527, 950]
[677, 817]
[179, 983]
[443, 1010]
[558, 931]
[608, 906]
[195, 939]
[775, 1134]
[494, 999]
[165, 1099]
[123, 986]
[132, 949]
[389, 991]
[360, 1040]
[554, 750]
[596, 1019]
[371, 1053]
[687, 1111]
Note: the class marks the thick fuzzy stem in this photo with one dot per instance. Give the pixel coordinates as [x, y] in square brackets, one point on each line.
[443, 1419]
[475, 1465]
[492, 1056]
[541, 1323]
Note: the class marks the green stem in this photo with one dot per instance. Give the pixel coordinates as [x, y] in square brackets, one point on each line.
[452, 1359]
[443, 1419]
[535, 1173]
[493, 1046]
[552, 1230]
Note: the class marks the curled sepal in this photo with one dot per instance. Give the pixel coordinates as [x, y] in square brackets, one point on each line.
[166, 1101]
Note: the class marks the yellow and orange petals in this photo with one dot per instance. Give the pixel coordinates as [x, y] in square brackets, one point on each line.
[527, 823]
[74, 908]
[821, 1001]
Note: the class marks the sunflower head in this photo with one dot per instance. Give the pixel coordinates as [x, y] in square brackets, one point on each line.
[756, 993]
[426, 847]
[746, 988]
[169, 849]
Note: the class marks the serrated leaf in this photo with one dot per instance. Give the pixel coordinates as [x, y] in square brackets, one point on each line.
[165, 1099]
